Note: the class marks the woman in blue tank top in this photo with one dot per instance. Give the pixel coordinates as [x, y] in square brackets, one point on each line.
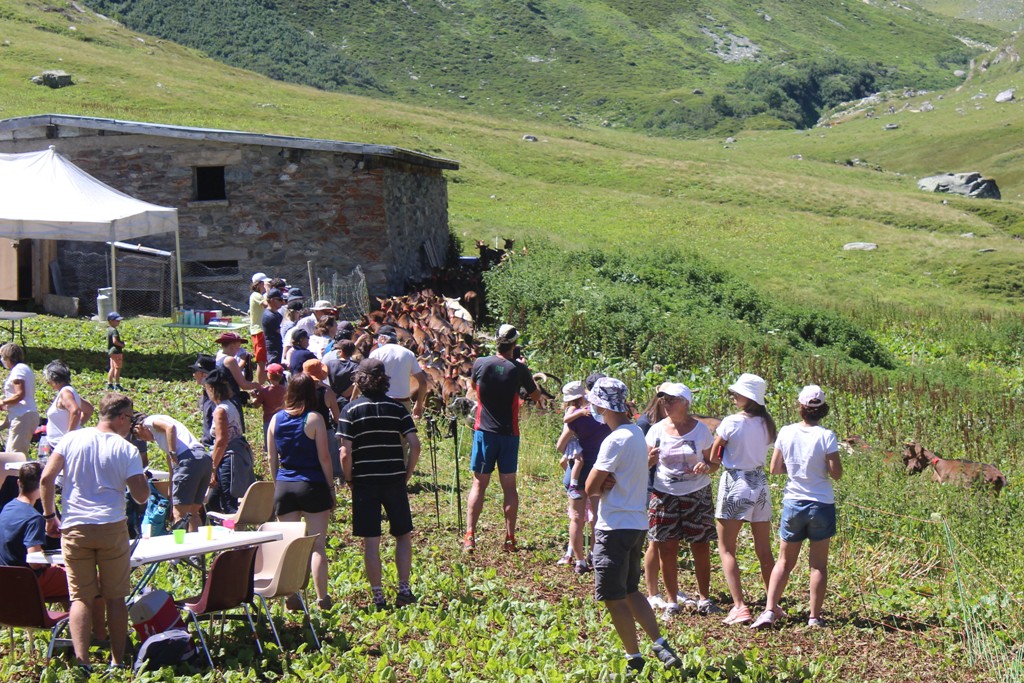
[301, 466]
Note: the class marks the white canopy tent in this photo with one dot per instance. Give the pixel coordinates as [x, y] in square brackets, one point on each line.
[43, 196]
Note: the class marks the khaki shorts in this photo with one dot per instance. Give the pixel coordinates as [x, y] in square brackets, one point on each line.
[88, 547]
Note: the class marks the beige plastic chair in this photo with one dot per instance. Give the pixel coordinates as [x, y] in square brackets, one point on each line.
[256, 507]
[270, 555]
[6, 457]
[291, 578]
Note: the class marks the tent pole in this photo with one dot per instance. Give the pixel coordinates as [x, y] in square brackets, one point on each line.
[113, 277]
[177, 257]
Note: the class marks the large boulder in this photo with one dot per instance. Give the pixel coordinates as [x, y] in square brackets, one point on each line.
[967, 184]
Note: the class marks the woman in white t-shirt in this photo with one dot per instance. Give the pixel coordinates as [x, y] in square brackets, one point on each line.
[19, 399]
[69, 410]
[742, 442]
[809, 454]
[680, 505]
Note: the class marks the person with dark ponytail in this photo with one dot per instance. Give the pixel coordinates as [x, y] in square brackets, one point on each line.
[742, 442]
[809, 455]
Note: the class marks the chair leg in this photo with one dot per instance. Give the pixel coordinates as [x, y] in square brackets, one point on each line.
[252, 627]
[60, 626]
[202, 639]
[270, 620]
[309, 619]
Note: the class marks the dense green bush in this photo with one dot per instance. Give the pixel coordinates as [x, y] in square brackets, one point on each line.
[668, 307]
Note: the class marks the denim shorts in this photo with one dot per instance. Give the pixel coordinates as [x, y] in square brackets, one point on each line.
[807, 520]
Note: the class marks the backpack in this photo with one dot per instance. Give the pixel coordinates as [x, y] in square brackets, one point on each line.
[164, 649]
[156, 512]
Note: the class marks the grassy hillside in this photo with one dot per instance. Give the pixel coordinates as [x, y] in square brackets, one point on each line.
[626, 63]
[1007, 14]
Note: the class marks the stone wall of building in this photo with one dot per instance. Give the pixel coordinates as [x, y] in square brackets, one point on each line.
[284, 206]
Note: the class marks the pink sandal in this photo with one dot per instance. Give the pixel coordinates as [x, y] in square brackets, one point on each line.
[738, 615]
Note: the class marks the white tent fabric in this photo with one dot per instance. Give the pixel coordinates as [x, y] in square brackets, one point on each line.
[44, 196]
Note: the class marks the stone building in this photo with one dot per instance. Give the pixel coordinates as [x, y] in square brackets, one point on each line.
[251, 202]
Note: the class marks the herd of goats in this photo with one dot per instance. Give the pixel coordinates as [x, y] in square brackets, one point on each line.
[441, 331]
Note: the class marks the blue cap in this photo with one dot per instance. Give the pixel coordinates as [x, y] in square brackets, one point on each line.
[114, 315]
[274, 294]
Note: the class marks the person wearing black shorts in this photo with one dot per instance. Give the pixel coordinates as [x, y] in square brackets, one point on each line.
[301, 467]
[371, 430]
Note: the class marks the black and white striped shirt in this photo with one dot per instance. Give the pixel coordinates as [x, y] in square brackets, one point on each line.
[375, 425]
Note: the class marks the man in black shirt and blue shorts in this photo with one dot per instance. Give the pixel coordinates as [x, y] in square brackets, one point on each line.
[497, 380]
[373, 460]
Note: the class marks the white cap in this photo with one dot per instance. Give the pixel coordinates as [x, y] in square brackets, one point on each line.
[507, 333]
[259, 277]
[750, 386]
[573, 391]
[811, 396]
[677, 389]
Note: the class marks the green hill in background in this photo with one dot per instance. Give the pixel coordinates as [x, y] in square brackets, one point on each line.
[1007, 14]
[662, 66]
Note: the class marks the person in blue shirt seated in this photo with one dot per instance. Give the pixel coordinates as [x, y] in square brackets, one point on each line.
[23, 531]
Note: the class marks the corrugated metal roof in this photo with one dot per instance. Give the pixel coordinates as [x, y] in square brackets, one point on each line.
[233, 136]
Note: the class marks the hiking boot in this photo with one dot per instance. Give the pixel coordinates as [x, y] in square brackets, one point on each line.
[510, 544]
[574, 493]
[635, 666]
[705, 607]
[582, 567]
[469, 542]
[406, 598]
[766, 619]
[667, 656]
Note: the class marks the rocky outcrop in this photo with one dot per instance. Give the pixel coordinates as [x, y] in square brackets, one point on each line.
[967, 184]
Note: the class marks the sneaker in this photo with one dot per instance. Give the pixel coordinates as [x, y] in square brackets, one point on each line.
[510, 544]
[706, 607]
[766, 619]
[564, 560]
[380, 605]
[469, 542]
[118, 387]
[635, 666]
[292, 603]
[582, 567]
[686, 601]
[671, 608]
[738, 615]
[656, 602]
[407, 598]
[325, 603]
[574, 493]
[667, 656]
[816, 622]
[110, 387]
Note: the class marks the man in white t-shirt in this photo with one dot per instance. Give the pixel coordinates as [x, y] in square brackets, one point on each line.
[97, 464]
[401, 365]
[620, 477]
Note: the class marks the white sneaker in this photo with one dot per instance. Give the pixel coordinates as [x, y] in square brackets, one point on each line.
[671, 608]
[686, 601]
[656, 602]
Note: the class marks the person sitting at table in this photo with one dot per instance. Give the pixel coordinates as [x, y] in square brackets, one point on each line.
[232, 458]
[23, 531]
[189, 463]
[69, 410]
[19, 399]
[300, 465]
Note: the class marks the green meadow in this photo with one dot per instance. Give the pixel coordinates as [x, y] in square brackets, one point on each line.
[653, 258]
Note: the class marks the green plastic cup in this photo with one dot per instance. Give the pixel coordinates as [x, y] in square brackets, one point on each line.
[179, 536]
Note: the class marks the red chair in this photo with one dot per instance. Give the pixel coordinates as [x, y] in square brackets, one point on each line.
[22, 606]
[229, 585]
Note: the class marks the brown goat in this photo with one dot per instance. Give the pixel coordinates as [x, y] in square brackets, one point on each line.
[963, 472]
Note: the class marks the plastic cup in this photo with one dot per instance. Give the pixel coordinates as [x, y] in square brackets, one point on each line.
[208, 532]
[147, 530]
[179, 536]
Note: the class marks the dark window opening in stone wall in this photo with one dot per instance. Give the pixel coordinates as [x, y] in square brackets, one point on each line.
[209, 183]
